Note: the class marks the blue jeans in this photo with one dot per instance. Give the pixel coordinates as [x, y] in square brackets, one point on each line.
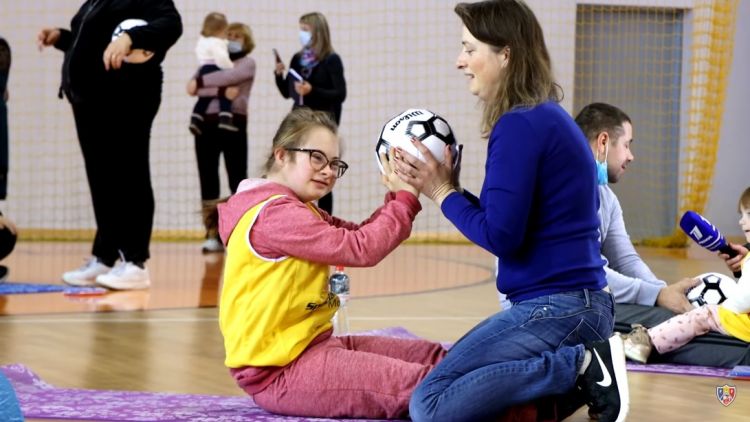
[532, 350]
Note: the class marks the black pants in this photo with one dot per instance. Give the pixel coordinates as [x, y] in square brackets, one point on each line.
[4, 70]
[712, 349]
[210, 145]
[114, 135]
[3, 147]
[326, 203]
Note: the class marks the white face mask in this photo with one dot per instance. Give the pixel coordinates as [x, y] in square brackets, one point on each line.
[234, 46]
[304, 38]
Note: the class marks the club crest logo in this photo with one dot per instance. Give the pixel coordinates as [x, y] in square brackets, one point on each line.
[726, 394]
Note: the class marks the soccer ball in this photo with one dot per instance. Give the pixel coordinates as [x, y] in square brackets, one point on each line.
[137, 55]
[432, 130]
[714, 289]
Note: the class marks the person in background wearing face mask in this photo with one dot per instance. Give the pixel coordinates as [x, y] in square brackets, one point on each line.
[212, 52]
[233, 84]
[610, 134]
[640, 297]
[323, 87]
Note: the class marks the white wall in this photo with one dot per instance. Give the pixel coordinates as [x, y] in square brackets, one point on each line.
[732, 174]
[397, 55]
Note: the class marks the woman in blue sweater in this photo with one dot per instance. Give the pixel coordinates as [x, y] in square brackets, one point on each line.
[537, 212]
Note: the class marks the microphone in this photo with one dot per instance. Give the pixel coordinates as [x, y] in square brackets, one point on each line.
[706, 234]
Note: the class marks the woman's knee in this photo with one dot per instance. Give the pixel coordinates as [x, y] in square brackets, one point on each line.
[418, 408]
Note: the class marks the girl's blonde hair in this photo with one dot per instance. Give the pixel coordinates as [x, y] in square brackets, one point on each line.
[527, 80]
[294, 127]
[248, 43]
[321, 35]
[744, 201]
[213, 24]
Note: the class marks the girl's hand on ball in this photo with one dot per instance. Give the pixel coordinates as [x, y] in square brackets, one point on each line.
[390, 178]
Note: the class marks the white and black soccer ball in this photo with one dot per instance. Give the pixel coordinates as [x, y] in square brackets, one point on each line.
[136, 55]
[429, 128]
[714, 289]
[125, 25]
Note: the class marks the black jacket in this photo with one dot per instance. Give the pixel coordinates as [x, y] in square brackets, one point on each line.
[83, 73]
[328, 84]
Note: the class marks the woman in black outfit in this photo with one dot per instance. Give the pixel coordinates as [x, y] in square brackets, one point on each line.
[114, 101]
[323, 86]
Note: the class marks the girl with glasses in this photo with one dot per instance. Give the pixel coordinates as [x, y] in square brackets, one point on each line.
[275, 310]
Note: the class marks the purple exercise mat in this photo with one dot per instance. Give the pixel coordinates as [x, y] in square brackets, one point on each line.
[44, 401]
[667, 368]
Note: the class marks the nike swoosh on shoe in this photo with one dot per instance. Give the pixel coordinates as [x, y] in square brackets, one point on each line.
[606, 378]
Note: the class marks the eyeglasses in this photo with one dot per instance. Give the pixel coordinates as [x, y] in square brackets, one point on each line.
[319, 161]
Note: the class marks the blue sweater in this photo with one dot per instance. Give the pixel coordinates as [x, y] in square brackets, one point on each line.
[537, 210]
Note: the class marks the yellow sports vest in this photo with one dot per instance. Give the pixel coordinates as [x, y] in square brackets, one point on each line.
[270, 309]
[737, 325]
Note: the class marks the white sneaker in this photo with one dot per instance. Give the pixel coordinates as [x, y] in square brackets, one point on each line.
[212, 245]
[86, 274]
[125, 276]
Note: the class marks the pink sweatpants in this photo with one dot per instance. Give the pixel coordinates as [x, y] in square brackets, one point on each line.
[352, 377]
[680, 329]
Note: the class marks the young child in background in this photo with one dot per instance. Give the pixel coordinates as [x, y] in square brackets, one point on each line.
[275, 310]
[731, 317]
[213, 54]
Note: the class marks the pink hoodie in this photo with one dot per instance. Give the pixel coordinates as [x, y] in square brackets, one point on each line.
[286, 227]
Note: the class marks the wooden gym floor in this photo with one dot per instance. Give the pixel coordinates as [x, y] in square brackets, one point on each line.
[166, 339]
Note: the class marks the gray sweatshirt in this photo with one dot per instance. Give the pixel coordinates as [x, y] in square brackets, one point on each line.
[629, 278]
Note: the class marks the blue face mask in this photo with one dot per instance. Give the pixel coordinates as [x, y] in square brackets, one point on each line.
[304, 38]
[601, 168]
[234, 46]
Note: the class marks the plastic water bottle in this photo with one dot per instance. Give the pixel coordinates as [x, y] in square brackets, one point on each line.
[338, 284]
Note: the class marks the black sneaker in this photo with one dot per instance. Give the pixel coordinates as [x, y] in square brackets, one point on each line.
[226, 122]
[196, 124]
[605, 381]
